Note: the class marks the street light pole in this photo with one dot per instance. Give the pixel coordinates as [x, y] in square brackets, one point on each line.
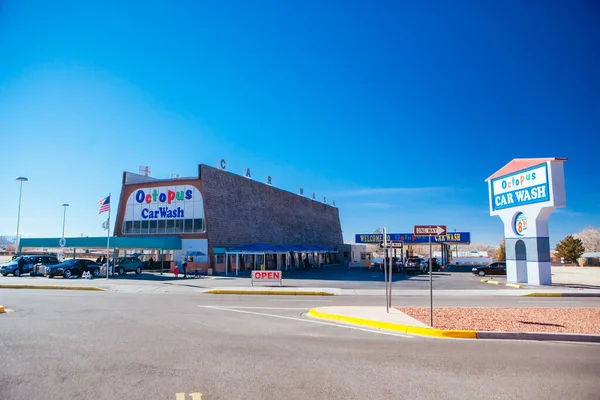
[17, 242]
[64, 218]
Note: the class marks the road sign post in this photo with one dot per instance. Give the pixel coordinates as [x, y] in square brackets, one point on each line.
[430, 287]
[430, 230]
[387, 304]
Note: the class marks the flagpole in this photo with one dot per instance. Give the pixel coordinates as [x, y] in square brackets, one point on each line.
[108, 239]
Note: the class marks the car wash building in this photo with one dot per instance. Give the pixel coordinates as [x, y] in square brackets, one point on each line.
[228, 222]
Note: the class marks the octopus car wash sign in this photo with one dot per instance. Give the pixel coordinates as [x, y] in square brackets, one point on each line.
[524, 187]
[524, 193]
[164, 203]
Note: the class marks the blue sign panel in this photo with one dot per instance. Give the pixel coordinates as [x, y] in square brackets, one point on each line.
[409, 238]
[524, 187]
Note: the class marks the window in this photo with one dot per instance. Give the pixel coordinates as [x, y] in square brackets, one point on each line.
[159, 227]
[199, 225]
[178, 225]
[162, 226]
[346, 254]
[170, 226]
[220, 258]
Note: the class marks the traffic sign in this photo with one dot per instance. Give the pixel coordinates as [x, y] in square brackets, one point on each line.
[430, 230]
[62, 242]
[391, 244]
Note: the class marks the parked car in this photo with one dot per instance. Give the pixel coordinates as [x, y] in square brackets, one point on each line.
[377, 262]
[396, 264]
[129, 264]
[73, 267]
[416, 264]
[29, 262]
[495, 268]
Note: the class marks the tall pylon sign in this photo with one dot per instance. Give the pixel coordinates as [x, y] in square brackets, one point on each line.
[523, 194]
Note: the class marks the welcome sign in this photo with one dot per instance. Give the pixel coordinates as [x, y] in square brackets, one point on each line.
[521, 188]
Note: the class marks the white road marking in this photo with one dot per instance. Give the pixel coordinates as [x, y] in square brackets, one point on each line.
[310, 321]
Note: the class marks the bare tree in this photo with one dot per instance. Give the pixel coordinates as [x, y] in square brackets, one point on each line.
[590, 237]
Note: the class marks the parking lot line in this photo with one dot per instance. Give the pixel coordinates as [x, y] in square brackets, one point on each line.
[308, 321]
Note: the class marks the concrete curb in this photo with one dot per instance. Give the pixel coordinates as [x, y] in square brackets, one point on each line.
[432, 332]
[51, 287]
[456, 334]
[560, 294]
[270, 292]
[493, 282]
[515, 285]
[539, 336]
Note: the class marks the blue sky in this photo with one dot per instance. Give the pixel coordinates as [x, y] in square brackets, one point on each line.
[396, 111]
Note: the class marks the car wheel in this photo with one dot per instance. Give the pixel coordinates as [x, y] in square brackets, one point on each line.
[481, 273]
[138, 270]
[67, 274]
[96, 272]
[4, 274]
[17, 272]
[121, 271]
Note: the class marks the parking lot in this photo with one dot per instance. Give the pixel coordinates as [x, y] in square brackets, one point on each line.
[453, 277]
[331, 276]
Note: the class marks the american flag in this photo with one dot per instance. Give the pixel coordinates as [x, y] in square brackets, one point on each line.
[104, 204]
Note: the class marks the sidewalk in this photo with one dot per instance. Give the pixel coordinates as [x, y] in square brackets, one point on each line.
[397, 321]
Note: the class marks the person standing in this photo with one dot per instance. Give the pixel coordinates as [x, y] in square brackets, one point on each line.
[184, 266]
[21, 264]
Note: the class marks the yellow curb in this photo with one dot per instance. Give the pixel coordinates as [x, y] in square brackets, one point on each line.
[2, 309]
[55, 287]
[484, 280]
[415, 330]
[514, 285]
[542, 295]
[494, 282]
[268, 292]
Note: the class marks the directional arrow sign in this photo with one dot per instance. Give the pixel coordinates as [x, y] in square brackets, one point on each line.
[430, 230]
[391, 244]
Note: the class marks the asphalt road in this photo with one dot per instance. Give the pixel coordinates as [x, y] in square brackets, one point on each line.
[102, 345]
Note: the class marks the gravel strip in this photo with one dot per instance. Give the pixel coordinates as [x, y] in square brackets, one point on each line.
[565, 320]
